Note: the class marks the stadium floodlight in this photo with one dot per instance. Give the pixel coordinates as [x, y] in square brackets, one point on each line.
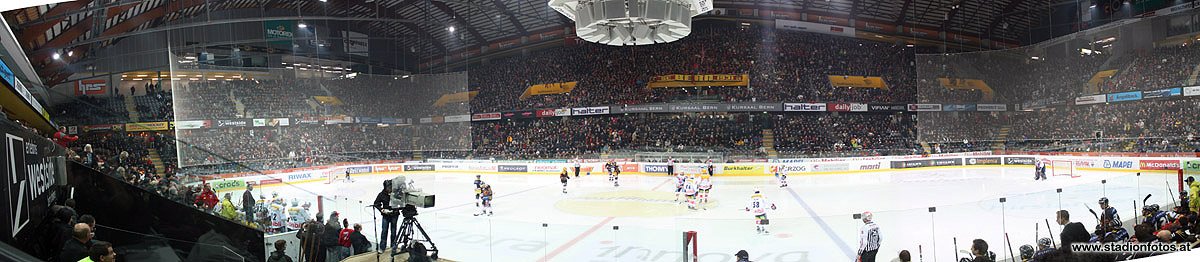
[302, 25]
[632, 22]
[56, 56]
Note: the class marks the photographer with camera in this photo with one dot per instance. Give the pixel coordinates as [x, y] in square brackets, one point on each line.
[390, 216]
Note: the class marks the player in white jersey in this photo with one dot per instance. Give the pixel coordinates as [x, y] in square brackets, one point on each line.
[690, 190]
[680, 179]
[295, 215]
[758, 206]
[704, 186]
[781, 174]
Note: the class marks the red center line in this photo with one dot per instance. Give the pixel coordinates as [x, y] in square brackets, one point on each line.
[591, 230]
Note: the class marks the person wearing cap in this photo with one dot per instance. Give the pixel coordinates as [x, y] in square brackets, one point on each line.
[868, 239]
[1194, 199]
[742, 256]
[329, 239]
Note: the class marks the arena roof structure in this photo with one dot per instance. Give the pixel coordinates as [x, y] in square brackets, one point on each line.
[432, 28]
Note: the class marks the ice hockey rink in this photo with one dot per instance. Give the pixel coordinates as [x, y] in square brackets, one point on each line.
[640, 221]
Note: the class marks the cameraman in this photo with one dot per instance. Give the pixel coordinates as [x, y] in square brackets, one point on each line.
[390, 215]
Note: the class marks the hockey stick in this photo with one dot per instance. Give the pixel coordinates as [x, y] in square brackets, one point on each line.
[1037, 228]
[1093, 212]
[1170, 192]
[956, 249]
[1010, 252]
[920, 253]
[1051, 233]
[1147, 198]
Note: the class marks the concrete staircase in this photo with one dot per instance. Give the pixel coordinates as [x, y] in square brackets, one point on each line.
[1195, 73]
[131, 108]
[768, 142]
[1001, 137]
[156, 159]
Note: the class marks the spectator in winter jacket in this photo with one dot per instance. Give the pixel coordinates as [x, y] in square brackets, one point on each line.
[62, 138]
[359, 241]
[1194, 199]
[310, 240]
[207, 198]
[279, 255]
[329, 239]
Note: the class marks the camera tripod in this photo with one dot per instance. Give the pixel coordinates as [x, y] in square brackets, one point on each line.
[408, 228]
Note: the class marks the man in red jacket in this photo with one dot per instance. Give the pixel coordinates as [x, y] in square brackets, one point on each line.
[207, 198]
[62, 138]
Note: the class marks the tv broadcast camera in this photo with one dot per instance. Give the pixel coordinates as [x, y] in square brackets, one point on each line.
[405, 193]
[408, 197]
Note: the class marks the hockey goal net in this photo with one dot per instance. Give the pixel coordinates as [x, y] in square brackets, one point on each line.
[1061, 168]
[336, 177]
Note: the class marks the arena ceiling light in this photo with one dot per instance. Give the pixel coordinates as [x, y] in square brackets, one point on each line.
[631, 22]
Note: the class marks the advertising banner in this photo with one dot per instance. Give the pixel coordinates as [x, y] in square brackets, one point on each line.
[355, 43]
[1092, 99]
[983, 161]
[991, 107]
[1191, 91]
[485, 116]
[458, 118]
[924, 107]
[545, 113]
[260, 122]
[1125, 96]
[519, 114]
[838, 107]
[512, 168]
[283, 121]
[419, 167]
[1018, 161]
[234, 123]
[545, 168]
[29, 173]
[280, 33]
[856, 107]
[562, 112]
[104, 127]
[587, 111]
[874, 165]
[804, 107]
[223, 184]
[909, 164]
[1119, 164]
[695, 108]
[966, 107]
[1192, 165]
[1158, 164]
[640, 109]
[754, 107]
[549, 89]
[148, 126]
[680, 80]
[91, 87]
[654, 168]
[1169, 92]
[858, 81]
[747, 169]
[886, 107]
[826, 167]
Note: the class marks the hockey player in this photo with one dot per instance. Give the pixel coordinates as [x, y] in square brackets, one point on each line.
[758, 206]
[485, 199]
[1109, 230]
[1045, 248]
[296, 215]
[562, 177]
[348, 180]
[704, 186]
[680, 179]
[1157, 218]
[689, 190]
[478, 188]
[782, 175]
[616, 175]
[1109, 211]
[1039, 169]
[277, 214]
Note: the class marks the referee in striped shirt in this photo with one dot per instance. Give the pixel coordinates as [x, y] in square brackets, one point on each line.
[868, 239]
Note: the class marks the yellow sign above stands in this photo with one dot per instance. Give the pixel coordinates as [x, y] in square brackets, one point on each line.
[460, 97]
[858, 81]
[669, 81]
[968, 84]
[549, 89]
[328, 100]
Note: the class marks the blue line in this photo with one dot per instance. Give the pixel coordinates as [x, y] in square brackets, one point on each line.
[824, 226]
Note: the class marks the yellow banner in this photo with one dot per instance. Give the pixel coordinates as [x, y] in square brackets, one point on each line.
[858, 81]
[668, 81]
[742, 169]
[460, 97]
[328, 100]
[549, 89]
[1094, 83]
[149, 126]
[967, 84]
